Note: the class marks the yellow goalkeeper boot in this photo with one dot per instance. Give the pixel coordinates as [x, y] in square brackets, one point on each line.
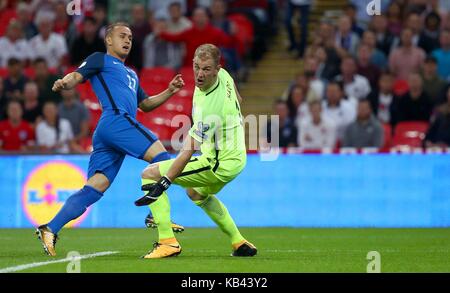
[150, 223]
[164, 248]
[244, 248]
[48, 239]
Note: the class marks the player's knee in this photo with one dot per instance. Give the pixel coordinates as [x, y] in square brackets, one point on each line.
[193, 195]
[99, 181]
[151, 172]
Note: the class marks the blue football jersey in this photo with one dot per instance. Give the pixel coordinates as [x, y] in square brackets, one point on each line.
[116, 86]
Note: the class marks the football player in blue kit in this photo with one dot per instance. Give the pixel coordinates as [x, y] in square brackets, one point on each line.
[118, 133]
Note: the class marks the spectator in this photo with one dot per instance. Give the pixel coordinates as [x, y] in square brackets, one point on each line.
[377, 57]
[407, 58]
[303, 6]
[438, 134]
[420, 39]
[32, 109]
[14, 45]
[314, 88]
[287, 131]
[53, 134]
[47, 44]
[100, 16]
[394, 18]
[432, 28]
[442, 55]
[382, 97]
[365, 131]
[337, 108]
[385, 39]
[24, 16]
[177, 21]
[15, 133]
[15, 81]
[140, 28]
[202, 32]
[158, 52]
[87, 43]
[219, 20]
[3, 100]
[355, 85]
[310, 68]
[317, 131]
[64, 24]
[414, 105]
[444, 108]
[346, 40]
[366, 68]
[45, 80]
[162, 6]
[351, 10]
[76, 113]
[434, 86]
[298, 109]
[326, 69]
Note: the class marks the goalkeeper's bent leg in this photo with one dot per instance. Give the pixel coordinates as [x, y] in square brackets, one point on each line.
[217, 211]
[161, 213]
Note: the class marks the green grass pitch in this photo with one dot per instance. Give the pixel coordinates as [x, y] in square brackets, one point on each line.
[207, 250]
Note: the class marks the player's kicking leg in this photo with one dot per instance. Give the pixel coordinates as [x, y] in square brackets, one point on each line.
[74, 207]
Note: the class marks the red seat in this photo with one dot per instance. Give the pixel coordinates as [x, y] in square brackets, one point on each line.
[153, 88]
[95, 111]
[387, 136]
[86, 92]
[244, 34]
[156, 75]
[410, 133]
[3, 72]
[187, 74]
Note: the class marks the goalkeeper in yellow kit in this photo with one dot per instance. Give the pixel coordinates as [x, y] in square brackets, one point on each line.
[219, 133]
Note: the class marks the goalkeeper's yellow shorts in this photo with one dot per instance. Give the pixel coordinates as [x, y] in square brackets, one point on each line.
[200, 174]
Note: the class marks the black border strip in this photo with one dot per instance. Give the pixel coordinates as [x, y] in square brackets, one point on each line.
[108, 93]
[213, 88]
[194, 171]
[138, 128]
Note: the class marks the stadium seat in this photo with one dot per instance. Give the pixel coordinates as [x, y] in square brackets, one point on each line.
[387, 136]
[86, 92]
[156, 75]
[153, 88]
[95, 111]
[188, 74]
[410, 134]
[244, 34]
[3, 72]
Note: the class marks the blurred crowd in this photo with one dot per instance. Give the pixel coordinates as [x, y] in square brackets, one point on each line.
[40, 42]
[365, 78]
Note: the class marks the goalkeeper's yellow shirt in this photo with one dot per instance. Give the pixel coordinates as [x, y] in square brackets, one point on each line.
[218, 126]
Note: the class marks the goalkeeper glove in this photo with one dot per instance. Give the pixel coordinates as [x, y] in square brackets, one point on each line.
[154, 191]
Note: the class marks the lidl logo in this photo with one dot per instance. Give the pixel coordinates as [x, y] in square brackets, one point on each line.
[46, 189]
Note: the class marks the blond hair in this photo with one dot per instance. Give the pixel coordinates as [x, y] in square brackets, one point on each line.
[208, 51]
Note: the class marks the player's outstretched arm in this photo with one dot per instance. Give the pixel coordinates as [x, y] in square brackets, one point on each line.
[67, 82]
[155, 101]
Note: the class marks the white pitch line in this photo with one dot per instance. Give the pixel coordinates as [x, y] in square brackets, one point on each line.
[44, 263]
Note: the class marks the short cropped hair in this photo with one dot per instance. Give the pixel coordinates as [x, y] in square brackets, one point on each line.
[112, 26]
[206, 51]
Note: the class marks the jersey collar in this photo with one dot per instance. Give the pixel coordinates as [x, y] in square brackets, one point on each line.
[212, 88]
